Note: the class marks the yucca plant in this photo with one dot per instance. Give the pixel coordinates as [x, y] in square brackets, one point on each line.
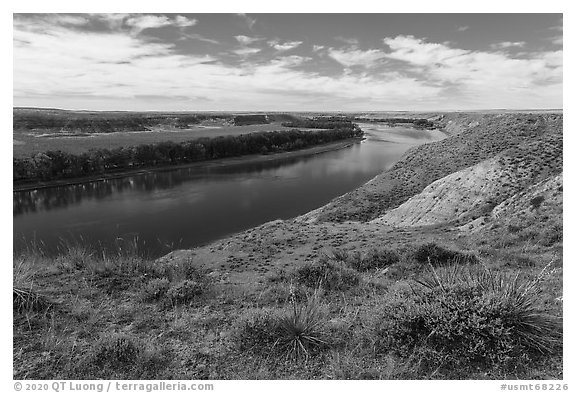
[300, 330]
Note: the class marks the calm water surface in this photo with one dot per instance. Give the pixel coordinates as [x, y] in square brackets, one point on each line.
[184, 208]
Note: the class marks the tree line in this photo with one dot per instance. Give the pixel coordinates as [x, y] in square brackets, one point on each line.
[418, 123]
[54, 165]
[332, 122]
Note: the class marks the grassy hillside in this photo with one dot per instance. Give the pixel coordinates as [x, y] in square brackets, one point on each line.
[483, 137]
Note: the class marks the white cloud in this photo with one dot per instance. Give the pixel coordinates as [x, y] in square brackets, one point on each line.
[285, 46]
[356, 57]
[508, 44]
[245, 40]
[182, 21]
[462, 28]
[289, 61]
[492, 79]
[142, 22]
[246, 51]
[317, 48]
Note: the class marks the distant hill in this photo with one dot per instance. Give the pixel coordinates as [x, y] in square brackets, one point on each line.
[523, 142]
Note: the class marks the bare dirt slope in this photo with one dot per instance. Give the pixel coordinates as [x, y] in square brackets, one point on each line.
[473, 192]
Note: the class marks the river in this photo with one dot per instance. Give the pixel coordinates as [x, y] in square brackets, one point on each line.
[184, 208]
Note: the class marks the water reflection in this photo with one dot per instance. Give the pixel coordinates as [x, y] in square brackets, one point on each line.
[62, 197]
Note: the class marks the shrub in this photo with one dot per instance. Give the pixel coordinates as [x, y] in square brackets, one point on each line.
[552, 235]
[185, 291]
[280, 293]
[326, 274]
[178, 270]
[254, 331]
[439, 256]
[536, 202]
[373, 260]
[155, 289]
[116, 352]
[469, 320]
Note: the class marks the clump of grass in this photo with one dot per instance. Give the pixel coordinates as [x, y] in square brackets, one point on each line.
[296, 332]
[327, 274]
[24, 300]
[439, 256]
[24, 295]
[469, 319]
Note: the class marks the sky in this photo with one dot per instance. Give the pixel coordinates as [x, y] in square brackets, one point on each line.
[288, 62]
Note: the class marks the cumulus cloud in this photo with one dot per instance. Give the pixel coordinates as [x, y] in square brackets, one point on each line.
[508, 44]
[356, 57]
[245, 40]
[488, 77]
[462, 28]
[182, 21]
[289, 45]
[142, 22]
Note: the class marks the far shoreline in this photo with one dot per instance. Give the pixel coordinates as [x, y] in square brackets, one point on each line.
[229, 161]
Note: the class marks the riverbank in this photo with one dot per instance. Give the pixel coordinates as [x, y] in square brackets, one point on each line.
[319, 149]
